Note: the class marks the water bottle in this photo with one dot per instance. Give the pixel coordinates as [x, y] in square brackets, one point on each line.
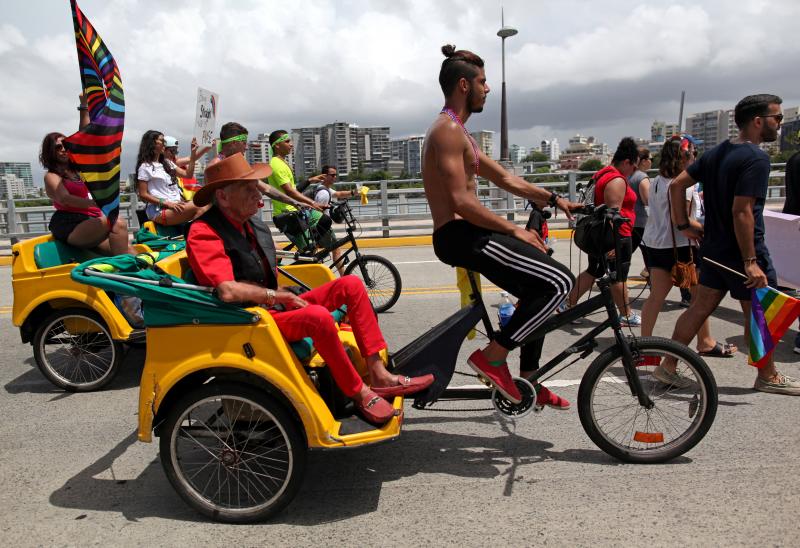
[506, 309]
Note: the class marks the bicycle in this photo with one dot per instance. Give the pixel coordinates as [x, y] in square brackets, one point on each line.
[381, 278]
[623, 408]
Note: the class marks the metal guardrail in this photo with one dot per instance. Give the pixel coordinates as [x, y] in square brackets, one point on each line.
[391, 210]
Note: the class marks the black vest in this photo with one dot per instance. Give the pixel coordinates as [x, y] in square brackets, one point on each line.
[247, 262]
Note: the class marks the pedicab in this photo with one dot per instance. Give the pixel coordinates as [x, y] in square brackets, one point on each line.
[236, 406]
[76, 331]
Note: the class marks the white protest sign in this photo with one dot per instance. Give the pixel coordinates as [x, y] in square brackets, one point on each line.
[205, 117]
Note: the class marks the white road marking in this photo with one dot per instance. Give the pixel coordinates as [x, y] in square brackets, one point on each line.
[555, 383]
[415, 262]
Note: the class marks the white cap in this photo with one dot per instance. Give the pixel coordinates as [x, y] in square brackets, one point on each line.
[170, 142]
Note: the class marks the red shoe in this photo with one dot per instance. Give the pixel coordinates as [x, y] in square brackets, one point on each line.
[498, 374]
[548, 398]
[374, 408]
[408, 385]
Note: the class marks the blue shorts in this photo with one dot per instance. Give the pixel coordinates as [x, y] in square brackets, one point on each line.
[717, 278]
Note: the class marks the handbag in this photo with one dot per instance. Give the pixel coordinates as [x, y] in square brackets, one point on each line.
[684, 274]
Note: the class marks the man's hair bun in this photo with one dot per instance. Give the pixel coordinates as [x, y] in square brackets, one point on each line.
[449, 50]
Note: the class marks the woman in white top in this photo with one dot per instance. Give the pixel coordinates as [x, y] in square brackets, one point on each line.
[157, 182]
[658, 236]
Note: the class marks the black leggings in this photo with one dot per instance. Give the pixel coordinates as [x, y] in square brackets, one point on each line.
[539, 282]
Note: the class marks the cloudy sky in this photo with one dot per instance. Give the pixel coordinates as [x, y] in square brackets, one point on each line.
[606, 68]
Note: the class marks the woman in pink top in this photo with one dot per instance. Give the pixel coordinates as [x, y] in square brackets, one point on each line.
[77, 219]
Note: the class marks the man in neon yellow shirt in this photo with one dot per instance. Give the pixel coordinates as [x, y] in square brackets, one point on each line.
[282, 180]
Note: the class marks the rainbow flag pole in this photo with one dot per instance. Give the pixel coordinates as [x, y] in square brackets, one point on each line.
[771, 314]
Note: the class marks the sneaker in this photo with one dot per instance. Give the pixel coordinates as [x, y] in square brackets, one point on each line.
[496, 373]
[797, 349]
[548, 398]
[634, 320]
[785, 385]
[563, 307]
[673, 379]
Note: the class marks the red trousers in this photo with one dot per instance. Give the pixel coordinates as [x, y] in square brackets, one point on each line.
[315, 321]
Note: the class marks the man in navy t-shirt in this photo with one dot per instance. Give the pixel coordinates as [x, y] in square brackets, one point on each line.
[735, 174]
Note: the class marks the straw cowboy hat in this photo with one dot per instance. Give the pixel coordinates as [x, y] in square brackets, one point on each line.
[230, 170]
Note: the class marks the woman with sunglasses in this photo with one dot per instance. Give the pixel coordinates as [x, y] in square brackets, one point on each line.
[77, 220]
[157, 183]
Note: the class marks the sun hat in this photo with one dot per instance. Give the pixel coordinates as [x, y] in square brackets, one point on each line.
[232, 169]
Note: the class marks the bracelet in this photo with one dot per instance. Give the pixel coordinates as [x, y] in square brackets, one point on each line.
[553, 199]
[161, 202]
[81, 107]
[270, 297]
[682, 226]
[749, 260]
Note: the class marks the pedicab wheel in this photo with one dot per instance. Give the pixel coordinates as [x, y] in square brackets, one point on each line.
[516, 410]
[380, 277]
[75, 351]
[683, 409]
[232, 452]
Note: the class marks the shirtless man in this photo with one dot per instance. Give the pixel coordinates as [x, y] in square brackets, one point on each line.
[469, 235]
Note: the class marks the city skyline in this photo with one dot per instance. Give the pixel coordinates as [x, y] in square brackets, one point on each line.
[565, 75]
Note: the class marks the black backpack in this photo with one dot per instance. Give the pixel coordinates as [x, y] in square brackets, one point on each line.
[312, 190]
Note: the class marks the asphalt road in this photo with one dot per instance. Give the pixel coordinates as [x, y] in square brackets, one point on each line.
[72, 472]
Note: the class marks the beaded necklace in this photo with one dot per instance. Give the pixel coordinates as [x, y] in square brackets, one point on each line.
[453, 116]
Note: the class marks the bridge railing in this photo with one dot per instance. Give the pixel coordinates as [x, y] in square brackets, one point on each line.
[395, 207]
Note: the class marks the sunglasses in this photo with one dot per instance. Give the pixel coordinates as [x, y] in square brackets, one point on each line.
[778, 117]
[333, 174]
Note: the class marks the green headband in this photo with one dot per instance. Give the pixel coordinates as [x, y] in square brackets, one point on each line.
[282, 138]
[235, 138]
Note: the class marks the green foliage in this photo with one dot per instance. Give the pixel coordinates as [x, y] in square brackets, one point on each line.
[782, 156]
[536, 156]
[542, 169]
[592, 164]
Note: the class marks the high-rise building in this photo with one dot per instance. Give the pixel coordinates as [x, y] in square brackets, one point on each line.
[485, 140]
[711, 127]
[21, 170]
[12, 186]
[551, 148]
[517, 154]
[307, 151]
[791, 114]
[661, 131]
[258, 149]
[408, 150]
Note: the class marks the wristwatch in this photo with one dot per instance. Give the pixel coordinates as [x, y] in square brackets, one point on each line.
[683, 226]
[554, 196]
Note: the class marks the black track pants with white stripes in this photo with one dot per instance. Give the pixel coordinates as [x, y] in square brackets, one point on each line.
[539, 282]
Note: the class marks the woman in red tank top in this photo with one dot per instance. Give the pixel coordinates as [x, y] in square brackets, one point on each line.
[613, 190]
[77, 219]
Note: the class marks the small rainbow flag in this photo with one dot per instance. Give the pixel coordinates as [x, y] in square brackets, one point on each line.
[771, 314]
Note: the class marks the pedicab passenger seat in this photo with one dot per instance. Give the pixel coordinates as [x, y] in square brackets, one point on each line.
[56, 253]
[163, 231]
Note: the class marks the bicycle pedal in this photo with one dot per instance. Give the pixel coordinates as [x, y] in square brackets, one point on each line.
[538, 408]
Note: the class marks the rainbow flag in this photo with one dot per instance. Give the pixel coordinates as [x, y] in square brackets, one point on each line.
[771, 314]
[95, 149]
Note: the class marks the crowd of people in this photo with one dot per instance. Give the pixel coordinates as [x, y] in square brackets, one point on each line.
[230, 248]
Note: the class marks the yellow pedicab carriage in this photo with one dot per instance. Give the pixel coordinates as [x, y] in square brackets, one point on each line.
[236, 406]
[77, 332]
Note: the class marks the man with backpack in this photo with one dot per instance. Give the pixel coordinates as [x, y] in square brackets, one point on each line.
[323, 194]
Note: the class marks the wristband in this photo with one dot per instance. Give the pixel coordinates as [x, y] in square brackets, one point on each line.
[682, 226]
[553, 199]
[81, 107]
[749, 260]
[161, 202]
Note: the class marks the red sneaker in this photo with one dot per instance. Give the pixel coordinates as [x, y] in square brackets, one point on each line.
[498, 374]
[548, 398]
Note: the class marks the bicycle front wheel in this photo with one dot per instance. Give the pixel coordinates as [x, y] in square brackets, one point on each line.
[684, 403]
[380, 277]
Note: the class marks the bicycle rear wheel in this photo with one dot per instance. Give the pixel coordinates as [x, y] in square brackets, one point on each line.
[380, 277]
[684, 406]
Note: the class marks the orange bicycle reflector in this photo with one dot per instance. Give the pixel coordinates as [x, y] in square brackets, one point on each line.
[649, 437]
